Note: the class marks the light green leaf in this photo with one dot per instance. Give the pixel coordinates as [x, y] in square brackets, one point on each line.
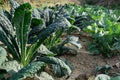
[60, 68]
[45, 76]
[28, 71]
[102, 77]
[11, 67]
[74, 41]
[3, 55]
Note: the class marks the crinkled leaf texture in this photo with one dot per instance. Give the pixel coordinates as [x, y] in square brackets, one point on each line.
[22, 22]
[7, 36]
[11, 66]
[61, 23]
[37, 25]
[6, 25]
[6, 13]
[28, 71]
[60, 68]
[43, 50]
[36, 13]
[70, 44]
[74, 41]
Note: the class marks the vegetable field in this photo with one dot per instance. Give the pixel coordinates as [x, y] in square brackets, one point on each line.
[60, 42]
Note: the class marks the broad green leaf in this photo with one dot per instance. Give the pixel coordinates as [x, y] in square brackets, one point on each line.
[8, 36]
[6, 40]
[6, 25]
[22, 21]
[28, 71]
[8, 28]
[68, 63]
[60, 68]
[59, 24]
[37, 26]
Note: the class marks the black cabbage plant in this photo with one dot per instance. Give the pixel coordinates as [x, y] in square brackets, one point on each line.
[45, 19]
[22, 60]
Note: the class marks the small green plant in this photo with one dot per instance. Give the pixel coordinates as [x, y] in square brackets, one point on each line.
[102, 24]
[102, 27]
[105, 33]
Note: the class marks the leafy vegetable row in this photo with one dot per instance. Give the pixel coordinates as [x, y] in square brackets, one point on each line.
[102, 24]
[25, 32]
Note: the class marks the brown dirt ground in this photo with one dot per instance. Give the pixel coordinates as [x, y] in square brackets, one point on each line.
[85, 64]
